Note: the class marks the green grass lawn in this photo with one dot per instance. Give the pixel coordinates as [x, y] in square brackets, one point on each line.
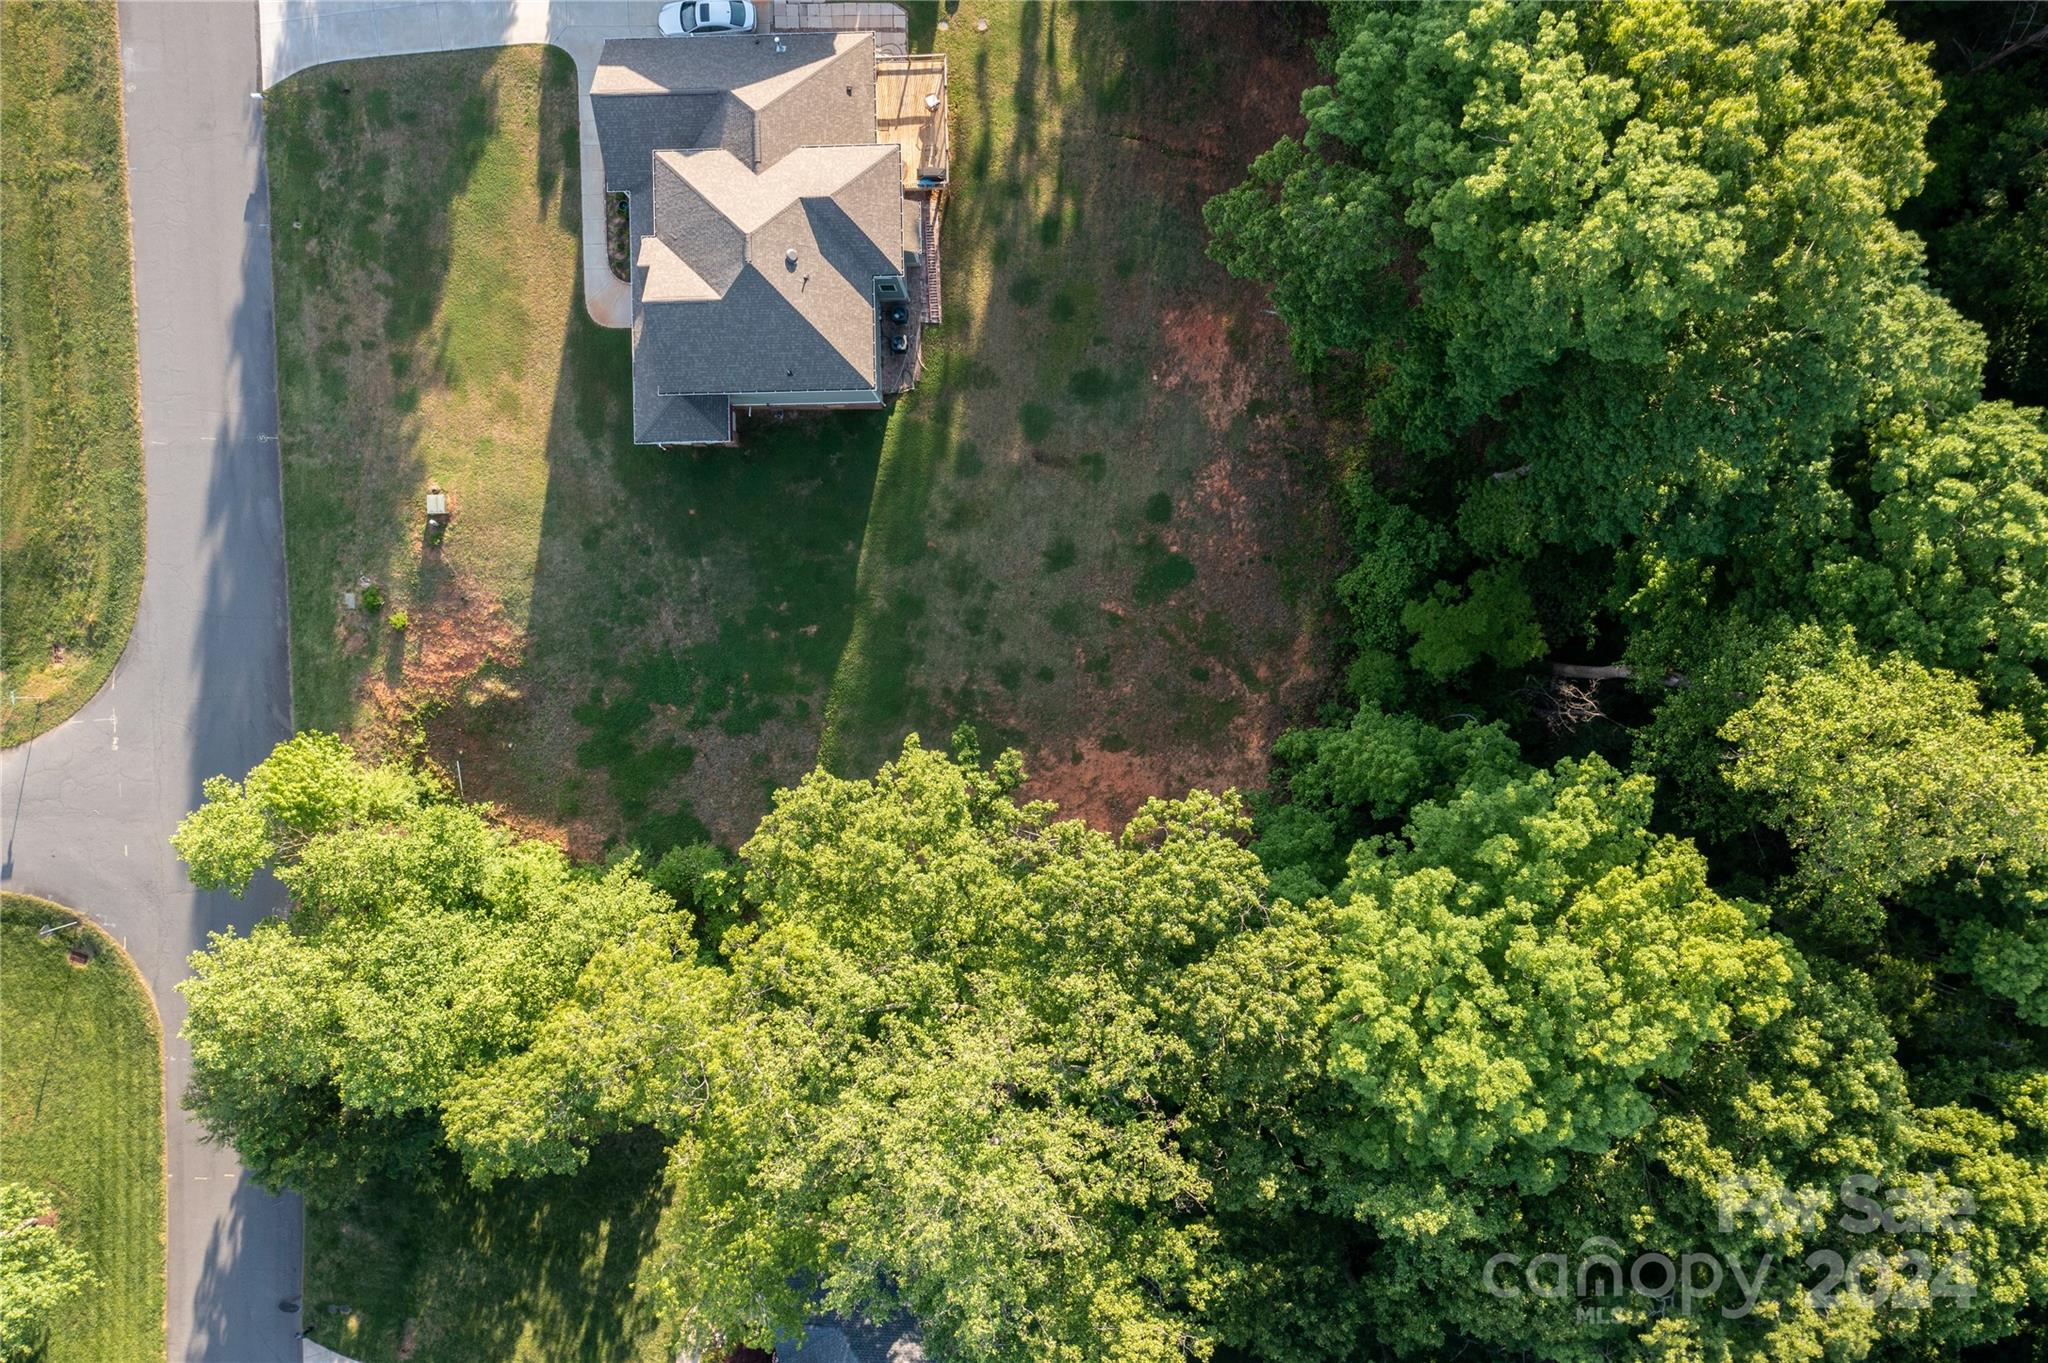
[608, 638]
[1090, 529]
[81, 1119]
[1096, 528]
[536, 1272]
[71, 514]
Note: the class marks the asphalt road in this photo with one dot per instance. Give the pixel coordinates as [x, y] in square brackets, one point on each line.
[204, 686]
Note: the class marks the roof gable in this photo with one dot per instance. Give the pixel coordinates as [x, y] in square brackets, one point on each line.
[757, 96]
[832, 105]
[829, 210]
[759, 66]
[765, 283]
[693, 215]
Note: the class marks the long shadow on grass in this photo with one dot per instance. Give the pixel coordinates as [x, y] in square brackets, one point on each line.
[683, 599]
[689, 600]
[1009, 504]
[536, 1268]
[365, 160]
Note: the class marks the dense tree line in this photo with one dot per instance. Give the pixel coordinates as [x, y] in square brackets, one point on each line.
[1683, 457]
[1984, 209]
[1670, 887]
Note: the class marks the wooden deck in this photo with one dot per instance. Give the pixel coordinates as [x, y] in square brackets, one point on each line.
[904, 115]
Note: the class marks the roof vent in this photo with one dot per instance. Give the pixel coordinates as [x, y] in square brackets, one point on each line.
[789, 258]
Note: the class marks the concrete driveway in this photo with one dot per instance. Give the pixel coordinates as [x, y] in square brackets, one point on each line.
[296, 34]
[203, 686]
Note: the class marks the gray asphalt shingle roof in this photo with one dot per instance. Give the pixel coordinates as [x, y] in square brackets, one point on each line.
[737, 92]
[762, 210]
[841, 1339]
[659, 420]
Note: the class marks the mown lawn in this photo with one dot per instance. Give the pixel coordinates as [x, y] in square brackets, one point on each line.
[535, 1272]
[81, 1119]
[71, 513]
[1090, 530]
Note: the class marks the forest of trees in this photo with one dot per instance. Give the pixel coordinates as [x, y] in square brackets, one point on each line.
[1669, 888]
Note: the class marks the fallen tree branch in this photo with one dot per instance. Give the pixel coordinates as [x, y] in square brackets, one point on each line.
[1611, 672]
[2025, 41]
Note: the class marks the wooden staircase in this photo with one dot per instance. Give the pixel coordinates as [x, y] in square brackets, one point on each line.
[932, 306]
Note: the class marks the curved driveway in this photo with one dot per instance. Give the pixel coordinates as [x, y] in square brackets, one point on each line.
[203, 687]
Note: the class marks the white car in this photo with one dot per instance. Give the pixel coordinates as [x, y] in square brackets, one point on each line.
[692, 17]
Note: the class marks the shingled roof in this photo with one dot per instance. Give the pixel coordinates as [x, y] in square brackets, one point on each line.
[759, 96]
[762, 211]
[844, 1339]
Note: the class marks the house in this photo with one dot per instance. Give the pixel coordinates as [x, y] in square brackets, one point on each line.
[782, 223]
[845, 1339]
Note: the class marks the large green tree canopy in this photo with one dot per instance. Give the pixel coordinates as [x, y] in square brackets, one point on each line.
[1507, 985]
[1954, 567]
[1653, 241]
[1984, 211]
[1562, 1048]
[423, 944]
[1003, 1071]
[1885, 777]
[1517, 968]
[40, 1270]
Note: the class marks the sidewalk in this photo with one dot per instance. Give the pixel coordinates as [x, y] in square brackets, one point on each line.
[889, 24]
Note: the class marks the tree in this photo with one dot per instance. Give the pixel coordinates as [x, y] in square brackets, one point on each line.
[1565, 1055]
[423, 945]
[1885, 776]
[1955, 571]
[1515, 970]
[1343, 782]
[1656, 266]
[39, 1271]
[1751, 1164]
[1014, 1075]
[1984, 211]
[1399, 552]
[1650, 363]
[1494, 620]
[615, 1055]
[310, 784]
[1317, 231]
